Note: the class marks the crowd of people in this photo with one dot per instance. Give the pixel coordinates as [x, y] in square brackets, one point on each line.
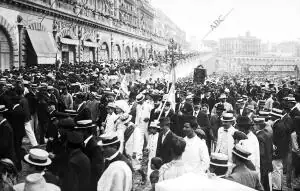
[88, 131]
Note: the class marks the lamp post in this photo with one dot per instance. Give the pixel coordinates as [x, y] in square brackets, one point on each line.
[98, 40]
[79, 44]
[20, 28]
[172, 48]
[111, 46]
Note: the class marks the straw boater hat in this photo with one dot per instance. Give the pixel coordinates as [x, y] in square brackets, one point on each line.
[219, 159]
[71, 112]
[263, 114]
[111, 105]
[140, 98]
[36, 182]
[276, 113]
[241, 151]
[290, 99]
[38, 157]
[259, 121]
[154, 124]
[84, 124]
[227, 117]
[108, 139]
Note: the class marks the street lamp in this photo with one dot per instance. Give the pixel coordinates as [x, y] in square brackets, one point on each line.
[20, 27]
[98, 40]
[79, 44]
[111, 46]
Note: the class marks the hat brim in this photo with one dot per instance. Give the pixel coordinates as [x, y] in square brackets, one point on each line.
[222, 165]
[100, 143]
[233, 119]
[142, 99]
[48, 162]
[85, 127]
[49, 187]
[238, 155]
[4, 110]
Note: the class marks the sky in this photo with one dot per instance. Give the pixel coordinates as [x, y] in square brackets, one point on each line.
[270, 20]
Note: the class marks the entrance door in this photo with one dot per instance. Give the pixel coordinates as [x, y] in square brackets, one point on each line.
[5, 51]
[65, 57]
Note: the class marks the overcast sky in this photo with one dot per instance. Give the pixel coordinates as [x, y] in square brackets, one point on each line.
[269, 20]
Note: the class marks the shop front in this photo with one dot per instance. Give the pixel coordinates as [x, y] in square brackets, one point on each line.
[68, 50]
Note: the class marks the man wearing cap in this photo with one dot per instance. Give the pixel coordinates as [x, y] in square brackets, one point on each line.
[92, 150]
[219, 164]
[118, 170]
[264, 138]
[225, 140]
[227, 106]
[240, 173]
[196, 155]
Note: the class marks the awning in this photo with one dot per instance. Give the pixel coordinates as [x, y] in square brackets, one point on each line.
[69, 41]
[90, 44]
[44, 46]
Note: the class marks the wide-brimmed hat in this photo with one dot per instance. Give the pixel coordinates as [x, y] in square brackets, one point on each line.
[154, 124]
[35, 182]
[140, 98]
[3, 108]
[259, 121]
[243, 121]
[240, 101]
[123, 105]
[38, 157]
[111, 105]
[263, 114]
[84, 124]
[75, 137]
[290, 99]
[227, 117]
[108, 139]
[241, 151]
[276, 113]
[71, 112]
[9, 165]
[219, 159]
[164, 121]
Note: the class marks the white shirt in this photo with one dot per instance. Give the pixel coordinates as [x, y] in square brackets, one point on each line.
[164, 136]
[87, 140]
[195, 155]
[253, 146]
[225, 142]
[152, 145]
[110, 123]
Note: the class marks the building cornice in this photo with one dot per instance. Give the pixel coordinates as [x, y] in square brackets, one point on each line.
[39, 8]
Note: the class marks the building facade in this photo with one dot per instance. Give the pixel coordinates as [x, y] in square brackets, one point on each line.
[75, 31]
[240, 46]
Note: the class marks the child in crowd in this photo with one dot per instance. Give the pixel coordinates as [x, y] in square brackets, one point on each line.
[156, 163]
[152, 143]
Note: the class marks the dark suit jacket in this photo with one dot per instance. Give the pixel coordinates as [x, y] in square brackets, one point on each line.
[164, 149]
[17, 121]
[215, 123]
[7, 149]
[175, 126]
[281, 139]
[94, 152]
[32, 102]
[78, 174]
[295, 112]
[84, 113]
[204, 123]
[265, 139]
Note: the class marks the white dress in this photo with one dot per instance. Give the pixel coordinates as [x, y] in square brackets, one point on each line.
[152, 146]
[142, 112]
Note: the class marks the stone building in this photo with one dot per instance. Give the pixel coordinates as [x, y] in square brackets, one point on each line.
[240, 46]
[75, 31]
